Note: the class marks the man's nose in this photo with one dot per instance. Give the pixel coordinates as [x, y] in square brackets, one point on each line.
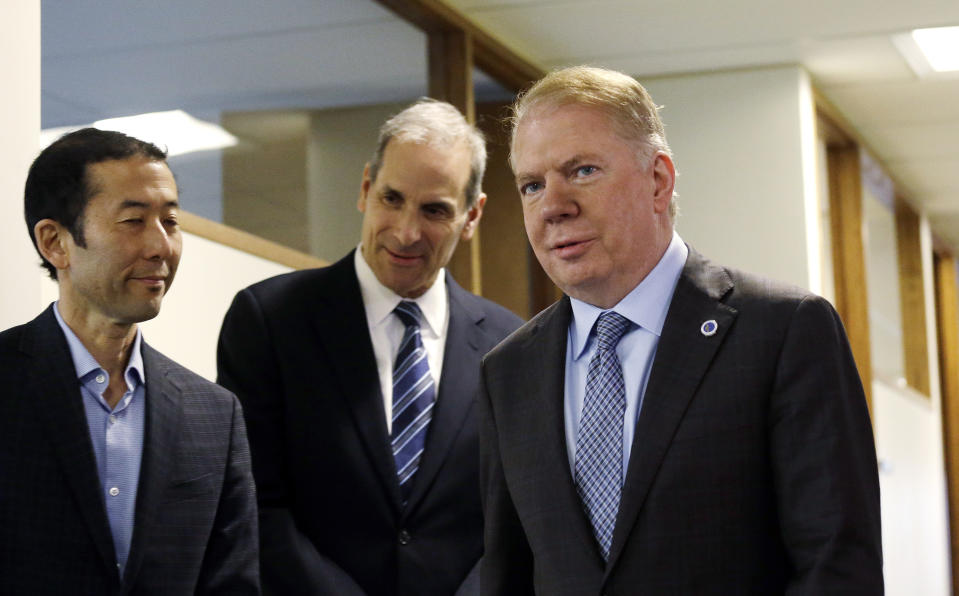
[158, 241]
[559, 199]
[408, 227]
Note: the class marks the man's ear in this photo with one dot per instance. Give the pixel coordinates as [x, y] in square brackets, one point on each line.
[364, 188]
[664, 179]
[52, 242]
[473, 216]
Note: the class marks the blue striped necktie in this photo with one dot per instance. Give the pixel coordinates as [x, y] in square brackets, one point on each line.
[413, 397]
[599, 445]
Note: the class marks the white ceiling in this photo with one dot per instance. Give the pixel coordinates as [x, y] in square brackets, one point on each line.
[113, 57]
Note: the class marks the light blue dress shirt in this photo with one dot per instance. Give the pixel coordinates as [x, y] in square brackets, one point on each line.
[117, 435]
[646, 307]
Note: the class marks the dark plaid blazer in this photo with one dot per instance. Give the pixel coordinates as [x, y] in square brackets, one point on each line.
[195, 519]
[296, 350]
[752, 471]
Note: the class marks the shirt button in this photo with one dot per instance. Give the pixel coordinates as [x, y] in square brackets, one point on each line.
[114, 491]
[405, 537]
[112, 419]
[101, 378]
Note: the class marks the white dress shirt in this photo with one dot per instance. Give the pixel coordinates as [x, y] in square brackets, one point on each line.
[386, 329]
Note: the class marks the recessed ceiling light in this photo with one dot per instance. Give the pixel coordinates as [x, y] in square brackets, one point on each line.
[940, 46]
[931, 53]
[175, 130]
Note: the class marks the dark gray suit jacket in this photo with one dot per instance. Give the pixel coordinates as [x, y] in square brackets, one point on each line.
[296, 350]
[195, 519]
[753, 468]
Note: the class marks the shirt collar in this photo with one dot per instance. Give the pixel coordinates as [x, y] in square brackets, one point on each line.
[380, 301]
[646, 305]
[85, 363]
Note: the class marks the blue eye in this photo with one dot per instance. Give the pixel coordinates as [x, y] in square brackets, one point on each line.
[586, 170]
[530, 188]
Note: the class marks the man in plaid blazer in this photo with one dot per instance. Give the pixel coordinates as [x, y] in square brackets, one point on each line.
[670, 426]
[121, 472]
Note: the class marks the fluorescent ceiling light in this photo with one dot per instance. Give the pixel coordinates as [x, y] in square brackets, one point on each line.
[175, 130]
[930, 52]
[940, 46]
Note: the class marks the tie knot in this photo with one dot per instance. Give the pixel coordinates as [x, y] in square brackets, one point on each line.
[409, 313]
[610, 328]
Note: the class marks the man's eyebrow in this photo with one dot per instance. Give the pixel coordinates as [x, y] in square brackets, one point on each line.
[134, 204]
[389, 190]
[578, 159]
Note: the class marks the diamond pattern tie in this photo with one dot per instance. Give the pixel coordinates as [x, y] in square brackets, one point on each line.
[413, 397]
[599, 445]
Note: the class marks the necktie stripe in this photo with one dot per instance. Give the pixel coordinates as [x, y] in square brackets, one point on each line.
[413, 376]
[418, 423]
[406, 473]
[411, 359]
[414, 392]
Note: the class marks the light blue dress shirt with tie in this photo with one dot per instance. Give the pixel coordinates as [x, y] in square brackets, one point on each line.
[646, 307]
[117, 434]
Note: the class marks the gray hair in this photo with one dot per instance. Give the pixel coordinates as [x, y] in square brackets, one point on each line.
[435, 123]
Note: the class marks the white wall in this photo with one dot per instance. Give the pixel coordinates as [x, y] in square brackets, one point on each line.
[743, 146]
[915, 527]
[20, 123]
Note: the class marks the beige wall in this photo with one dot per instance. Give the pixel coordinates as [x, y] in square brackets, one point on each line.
[740, 140]
[20, 122]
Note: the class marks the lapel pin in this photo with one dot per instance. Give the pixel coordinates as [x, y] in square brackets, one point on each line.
[709, 328]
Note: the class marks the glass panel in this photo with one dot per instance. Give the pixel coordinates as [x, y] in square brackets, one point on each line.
[274, 74]
[882, 275]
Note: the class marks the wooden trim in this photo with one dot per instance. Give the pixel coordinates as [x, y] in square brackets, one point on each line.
[848, 254]
[450, 65]
[912, 298]
[450, 60]
[495, 58]
[247, 242]
[947, 319]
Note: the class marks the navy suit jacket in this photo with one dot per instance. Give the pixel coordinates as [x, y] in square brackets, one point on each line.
[752, 470]
[195, 518]
[296, 349]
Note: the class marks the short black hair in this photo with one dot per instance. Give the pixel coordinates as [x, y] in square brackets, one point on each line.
[57, 185]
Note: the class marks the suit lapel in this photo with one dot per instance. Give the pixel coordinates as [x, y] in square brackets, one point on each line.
[161, 428]
[682, 359]
[545, 349]
[460, 369]
[342, 331]
[56, 390]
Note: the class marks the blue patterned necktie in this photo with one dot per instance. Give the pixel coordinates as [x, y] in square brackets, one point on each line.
[413, 396]
[599, 445]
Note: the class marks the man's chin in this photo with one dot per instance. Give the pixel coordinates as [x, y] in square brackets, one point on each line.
[408, 288]
[141, 312]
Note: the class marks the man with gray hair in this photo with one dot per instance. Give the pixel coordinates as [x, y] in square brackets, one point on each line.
[670, 426]
[358, 381]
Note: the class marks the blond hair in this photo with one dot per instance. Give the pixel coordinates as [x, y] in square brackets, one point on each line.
[619, 96]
